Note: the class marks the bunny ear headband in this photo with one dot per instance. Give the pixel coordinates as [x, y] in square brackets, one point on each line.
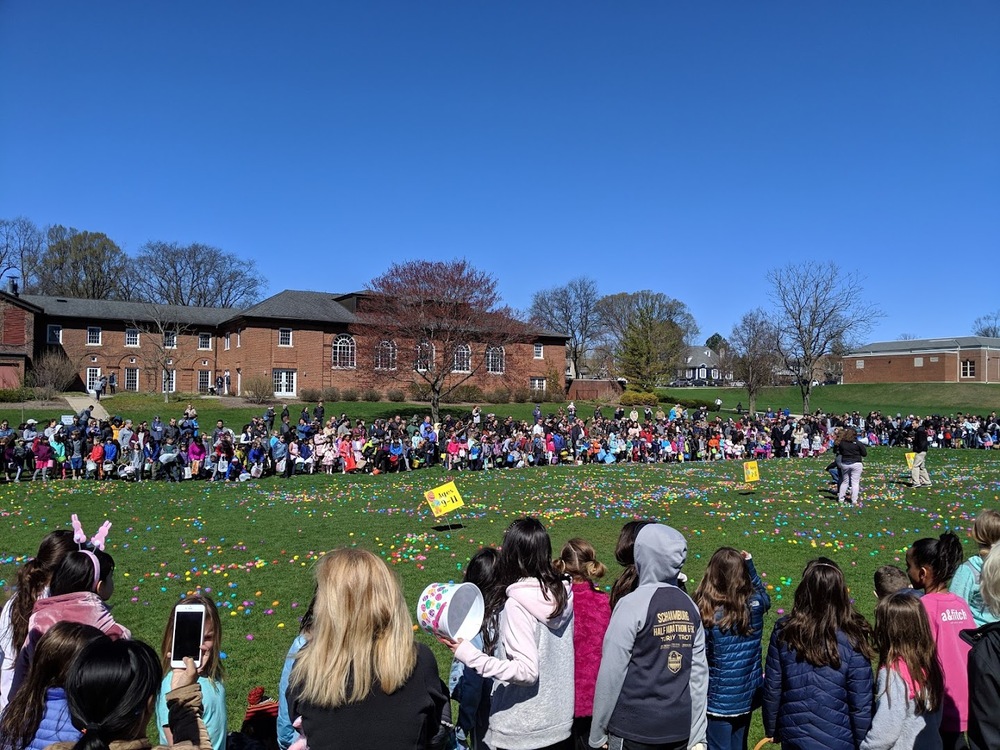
[96, 541]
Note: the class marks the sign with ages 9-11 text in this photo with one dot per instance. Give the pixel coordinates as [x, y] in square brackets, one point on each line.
[444, 499]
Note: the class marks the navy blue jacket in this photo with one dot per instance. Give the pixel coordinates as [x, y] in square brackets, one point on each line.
[734, 663]
[816, 708]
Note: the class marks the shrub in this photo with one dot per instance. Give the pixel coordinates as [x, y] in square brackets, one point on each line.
[348, 394]
[13, 395]
[639, 398]
[538, 396]
[258, 389]
[371, 395]
[497, 396]
[395, 395]
[311, 395]
[51, 373]
[520, 395]
[331, 394]
[419, 392]
[464, 394]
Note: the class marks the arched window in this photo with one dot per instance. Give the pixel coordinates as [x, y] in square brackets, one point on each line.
[463, 359]
[495, 360]
[385, 355]
[424, 360]
[344, 350]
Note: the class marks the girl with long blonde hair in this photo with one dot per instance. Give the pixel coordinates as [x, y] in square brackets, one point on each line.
[362, 678]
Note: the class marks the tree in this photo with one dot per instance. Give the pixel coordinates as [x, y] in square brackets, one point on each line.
[646, 334]
[442, 320]
[197, 276]
[907, 337]
[755, 348]
[80, 264]
[571, 310]
[21, 245]
[160, 333]
[52, 372]
[987, 325]
[815, 306]
[715, 342]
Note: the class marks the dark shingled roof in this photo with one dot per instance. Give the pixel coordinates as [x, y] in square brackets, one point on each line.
[923, 345]
[100, 309]
[294, 305]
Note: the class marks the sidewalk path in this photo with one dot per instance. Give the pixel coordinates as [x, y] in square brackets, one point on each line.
[79, 403]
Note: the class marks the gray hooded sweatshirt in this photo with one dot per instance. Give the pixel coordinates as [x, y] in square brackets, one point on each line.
[652, 686]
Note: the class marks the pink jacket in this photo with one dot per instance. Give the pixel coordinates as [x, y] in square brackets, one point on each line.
[592, 612]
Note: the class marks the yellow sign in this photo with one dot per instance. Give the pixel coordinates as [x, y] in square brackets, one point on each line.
[444, 499]
[910, 458]
[750, 472]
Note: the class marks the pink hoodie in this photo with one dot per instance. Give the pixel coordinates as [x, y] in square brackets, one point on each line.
[949, 615]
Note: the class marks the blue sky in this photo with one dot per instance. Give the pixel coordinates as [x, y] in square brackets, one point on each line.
[684, 147]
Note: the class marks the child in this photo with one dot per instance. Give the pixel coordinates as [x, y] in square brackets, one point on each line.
[732, 600]
[591, 615]
[985, 533]
[465, 685]
[818, 676]
[39, 715]
[529, 616]
[210, 674]
[910, 688]
[889, 579]
[628, 579]
[652, 686]
[931, 563]
[984, 663]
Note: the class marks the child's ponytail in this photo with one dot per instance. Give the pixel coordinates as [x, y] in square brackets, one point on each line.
[941, 556]
[33, 577]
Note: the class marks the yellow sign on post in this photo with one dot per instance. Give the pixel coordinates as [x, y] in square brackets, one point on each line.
[750, 471]
[910, 458]
[444, 499]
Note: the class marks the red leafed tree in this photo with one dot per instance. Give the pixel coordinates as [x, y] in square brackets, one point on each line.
[444, 320]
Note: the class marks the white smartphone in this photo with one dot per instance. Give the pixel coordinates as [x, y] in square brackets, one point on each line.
[189, 627]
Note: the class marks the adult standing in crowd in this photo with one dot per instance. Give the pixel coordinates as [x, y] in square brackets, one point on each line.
[852, 454]
[919, 473]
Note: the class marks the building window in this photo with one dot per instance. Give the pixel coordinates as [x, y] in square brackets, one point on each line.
[93, 375]
[204, 341]
[131, 337]
[204, 380]
[463, 359]
[284, 382]
[225, 342]
[918, 361]
[495, 360]
[239, 337]
[425, 356]
[132, 379]
[385, 355]
[285, 337]
[170, 339]
[859, 364]
[537, 384]
[169, 381]
[93, 336]
[539, 351]
[968, 368]
[344, 351]
[53, 335]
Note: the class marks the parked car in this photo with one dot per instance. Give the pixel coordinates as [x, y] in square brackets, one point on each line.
[699, 383]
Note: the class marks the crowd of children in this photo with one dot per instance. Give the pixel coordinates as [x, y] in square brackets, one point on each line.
[558, 663]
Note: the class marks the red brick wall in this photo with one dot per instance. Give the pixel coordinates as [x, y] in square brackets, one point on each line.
[900, 367]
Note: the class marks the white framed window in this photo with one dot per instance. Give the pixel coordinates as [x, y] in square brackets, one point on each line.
[424, 359]
[285, 337]
[462, 359]
[93, 336]
[225, 341]
[537, 384]
[169, 381]
[205, 341]
[968, 368]
[385, 355]
[344, 351]
[132, 337]
[539, 351]
[918, 361]
[132, 379]
[53, 334]
[170, 340]
[859, 364]
[702, 373]
[239, 337]
[93, 375]
[284, 382]
[204, 380]
[495, 360]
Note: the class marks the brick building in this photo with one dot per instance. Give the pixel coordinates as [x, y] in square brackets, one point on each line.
[298, 340]
[965, 359]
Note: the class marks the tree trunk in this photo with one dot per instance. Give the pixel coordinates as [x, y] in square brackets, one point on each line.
[806, 392]
[435, 406]
[752, 398]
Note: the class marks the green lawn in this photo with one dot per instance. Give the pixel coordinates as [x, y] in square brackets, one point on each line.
[252, 546]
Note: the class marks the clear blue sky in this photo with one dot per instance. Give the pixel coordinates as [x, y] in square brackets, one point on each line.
[680, 146]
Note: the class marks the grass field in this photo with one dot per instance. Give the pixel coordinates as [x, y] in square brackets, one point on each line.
[252, 546]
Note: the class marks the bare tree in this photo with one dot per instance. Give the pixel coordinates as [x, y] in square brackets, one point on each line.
[570, 310]
[21, 245]
[160, 333]
[52, 372]
[754, 344]
[907, 337]
[987, 325]
[443, 320]
[197, 276]
[815, 306]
